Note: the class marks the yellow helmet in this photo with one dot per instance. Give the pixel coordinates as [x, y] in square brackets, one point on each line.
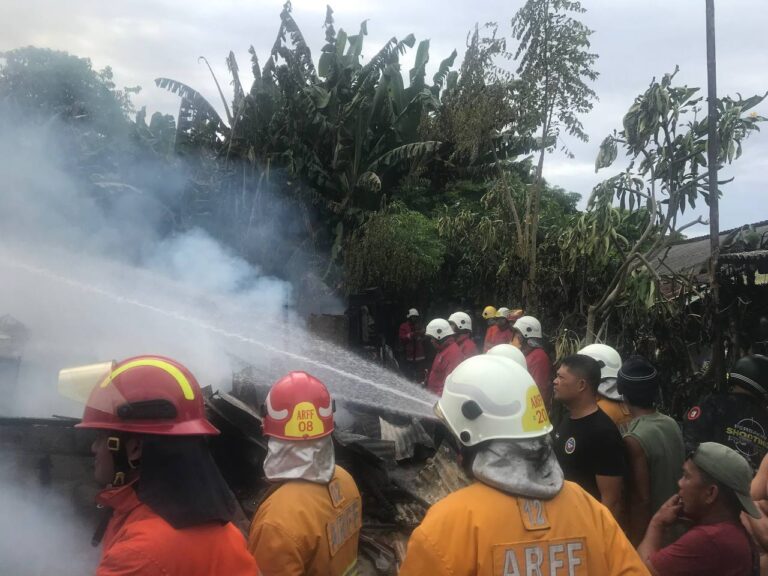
[489, 312]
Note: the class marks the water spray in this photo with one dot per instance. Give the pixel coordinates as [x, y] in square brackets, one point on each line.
[179, 316]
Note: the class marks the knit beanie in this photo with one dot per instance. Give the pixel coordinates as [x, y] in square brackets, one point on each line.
[638, 382]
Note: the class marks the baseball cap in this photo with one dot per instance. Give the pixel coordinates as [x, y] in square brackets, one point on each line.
[730, 469]
[412, 312]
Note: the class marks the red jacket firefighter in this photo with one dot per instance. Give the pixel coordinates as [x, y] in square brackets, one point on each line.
[461, 322]
[540, 368]
[141, 543]
[170, 507]
[490, 337]
[467, 345]
[448, 356]
[309, 524]
[411, 338]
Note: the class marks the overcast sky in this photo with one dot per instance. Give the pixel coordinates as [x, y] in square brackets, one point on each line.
[636, 39]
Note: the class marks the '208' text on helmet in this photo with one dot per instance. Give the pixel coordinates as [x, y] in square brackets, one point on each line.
[490, 397]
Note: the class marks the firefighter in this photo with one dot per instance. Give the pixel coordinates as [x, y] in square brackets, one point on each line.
[528, 337]
[609, 400]
[167, 508]
[411, 336]
[448, 355]
[489, 315]
[739, 418]
[519, 516]
[310, 521]
[504, 333]
[462, 326]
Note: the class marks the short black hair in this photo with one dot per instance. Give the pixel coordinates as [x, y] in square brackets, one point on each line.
[584, 367]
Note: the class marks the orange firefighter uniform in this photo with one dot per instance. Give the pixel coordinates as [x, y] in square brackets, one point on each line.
[304, 528]
[617, 411]
[482, 531]
[138, 542]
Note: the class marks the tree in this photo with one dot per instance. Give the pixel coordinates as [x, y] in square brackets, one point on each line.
[666, 142]
[483, 256]
[555, 67]
[344, 133]
[396, 249]
[52, 83]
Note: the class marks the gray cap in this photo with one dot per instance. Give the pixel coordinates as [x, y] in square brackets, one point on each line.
[730, 469]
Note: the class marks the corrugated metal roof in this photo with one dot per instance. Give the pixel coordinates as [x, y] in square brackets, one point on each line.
[691, 256]
[754, 256]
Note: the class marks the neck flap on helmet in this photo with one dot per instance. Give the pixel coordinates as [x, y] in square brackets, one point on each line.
[525, 468]
[608, 389]
[181, 482]
[309, 460]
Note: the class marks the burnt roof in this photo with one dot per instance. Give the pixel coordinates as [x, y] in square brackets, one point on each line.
[691, 256]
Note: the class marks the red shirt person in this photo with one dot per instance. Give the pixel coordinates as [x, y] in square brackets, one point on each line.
[411, 337]
[713, 492]
[527, 337]
[501, 333]
[489, 315]
[461, 323]
[448, 356]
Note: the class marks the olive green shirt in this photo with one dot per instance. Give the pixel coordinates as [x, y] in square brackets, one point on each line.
[660, 438]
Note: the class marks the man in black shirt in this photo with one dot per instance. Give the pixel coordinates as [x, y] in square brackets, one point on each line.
[587, 443]
[737, 419]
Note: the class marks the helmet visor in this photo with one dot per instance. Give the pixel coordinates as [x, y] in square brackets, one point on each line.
[77, 383]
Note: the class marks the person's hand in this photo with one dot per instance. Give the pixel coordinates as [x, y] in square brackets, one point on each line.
[758, 528]
[670, 512]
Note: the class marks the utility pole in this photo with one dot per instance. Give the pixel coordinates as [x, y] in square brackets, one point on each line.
[716, 367]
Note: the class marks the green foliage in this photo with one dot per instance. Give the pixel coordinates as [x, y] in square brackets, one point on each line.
[52, 83]
[666, 142]
[396, 249]
[484, 259]
[555, 65]
[345, 134]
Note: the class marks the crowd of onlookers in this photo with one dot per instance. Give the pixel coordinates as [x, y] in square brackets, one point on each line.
[685, 493]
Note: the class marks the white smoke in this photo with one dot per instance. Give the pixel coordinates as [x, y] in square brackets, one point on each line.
[115, 243]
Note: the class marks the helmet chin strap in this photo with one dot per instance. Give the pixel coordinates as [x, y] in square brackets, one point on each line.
[121, 463]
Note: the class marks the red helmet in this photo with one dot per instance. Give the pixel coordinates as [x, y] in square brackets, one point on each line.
[298, 407]
[148, 395]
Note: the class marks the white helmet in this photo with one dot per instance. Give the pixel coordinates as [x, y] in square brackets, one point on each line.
[528, 326]
[412, 312]
[461, 320]
[439, 329]
[608, 358]
[511, 352]
[502, 312]
[490, 397]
